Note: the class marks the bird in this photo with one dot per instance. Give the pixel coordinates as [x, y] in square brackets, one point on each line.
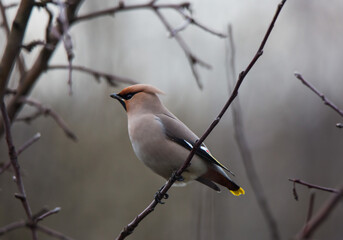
[163, 142]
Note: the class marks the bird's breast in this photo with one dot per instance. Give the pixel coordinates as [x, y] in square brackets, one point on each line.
[158, 152]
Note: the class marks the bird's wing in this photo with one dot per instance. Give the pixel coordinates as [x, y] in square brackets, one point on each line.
[178, 132]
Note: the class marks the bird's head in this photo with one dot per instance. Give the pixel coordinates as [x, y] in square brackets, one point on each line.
[138, 97]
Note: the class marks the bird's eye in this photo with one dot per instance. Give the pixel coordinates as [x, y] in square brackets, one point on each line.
[128, 96]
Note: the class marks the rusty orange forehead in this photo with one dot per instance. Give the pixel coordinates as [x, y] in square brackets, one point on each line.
[141, 88]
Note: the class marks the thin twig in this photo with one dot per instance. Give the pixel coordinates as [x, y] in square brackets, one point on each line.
[310, 208]
[16, 167]
[33, 44]
[52, 232]
[321, 95]
[134, 223]
[48, 213]
[12, 226]
[111, 79]
[192, 59]
[27, 144]
[320, 217]
[42, 110]
[244, 146]
[10, 5]
[180, 28]
[198, 24]
[68, 45]
[123, 7]
[309, 185]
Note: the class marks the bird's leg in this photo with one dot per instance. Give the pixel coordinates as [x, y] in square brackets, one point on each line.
[159, 197]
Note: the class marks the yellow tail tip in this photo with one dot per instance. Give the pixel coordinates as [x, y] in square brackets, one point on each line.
[238, 192]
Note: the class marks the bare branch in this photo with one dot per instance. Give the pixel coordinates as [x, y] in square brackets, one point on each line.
[30, 46]
[195, 22]
[14, 161]
[68, 45]
[111, 79]
[309, 185]
[180, 28]
[35, 138]
[192, 59]
[162, 193]
[20, 60]
[10, 5]
[48, 213]
[42, 110]
[244, 146]
[321, 216]
[310, 208]
[14, 41]
[40, 64]
[12, 226]
[52, 232]
[31, 141]
[123, 7]
[322, 96]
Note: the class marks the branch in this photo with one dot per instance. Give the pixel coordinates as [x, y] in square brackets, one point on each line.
[42, 110]
[41, 62]
[162, 193]
[321, 216]
[31, 141]
[332, 190]
[180, 8]
[48, 213]
[12, 226]
[244, 146]
[53, 233]
[14, 161]
[192, 59]
[321, 95]
[67, 43]
[35, 138]
[112, 80]
[123, 7]
[14, 42]
[20, 59]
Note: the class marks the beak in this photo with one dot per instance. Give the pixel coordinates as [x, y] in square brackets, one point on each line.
[119, 98]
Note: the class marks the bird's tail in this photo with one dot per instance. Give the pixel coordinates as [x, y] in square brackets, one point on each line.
[220, 177]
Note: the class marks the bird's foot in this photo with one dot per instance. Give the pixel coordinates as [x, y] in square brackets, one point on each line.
[178, 178]
[159, 196]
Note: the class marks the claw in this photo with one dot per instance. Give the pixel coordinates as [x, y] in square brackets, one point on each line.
[159, 196]
[178, 178]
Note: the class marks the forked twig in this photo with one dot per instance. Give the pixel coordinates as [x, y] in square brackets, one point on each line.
[326, 101]
[312, 225]
[181, 9]
[111, 79]
[27, 144]
[42, 110]
[309, 185]
[134, 223]
[14, 161]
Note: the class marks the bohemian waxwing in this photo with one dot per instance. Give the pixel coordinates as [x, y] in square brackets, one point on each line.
[163, 142]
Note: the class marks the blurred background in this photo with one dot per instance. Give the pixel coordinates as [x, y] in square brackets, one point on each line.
[101, 185]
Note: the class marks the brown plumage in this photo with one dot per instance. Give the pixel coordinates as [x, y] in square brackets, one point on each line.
[163, 142]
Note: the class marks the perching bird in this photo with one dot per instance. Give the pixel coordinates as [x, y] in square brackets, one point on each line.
[163, 142]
